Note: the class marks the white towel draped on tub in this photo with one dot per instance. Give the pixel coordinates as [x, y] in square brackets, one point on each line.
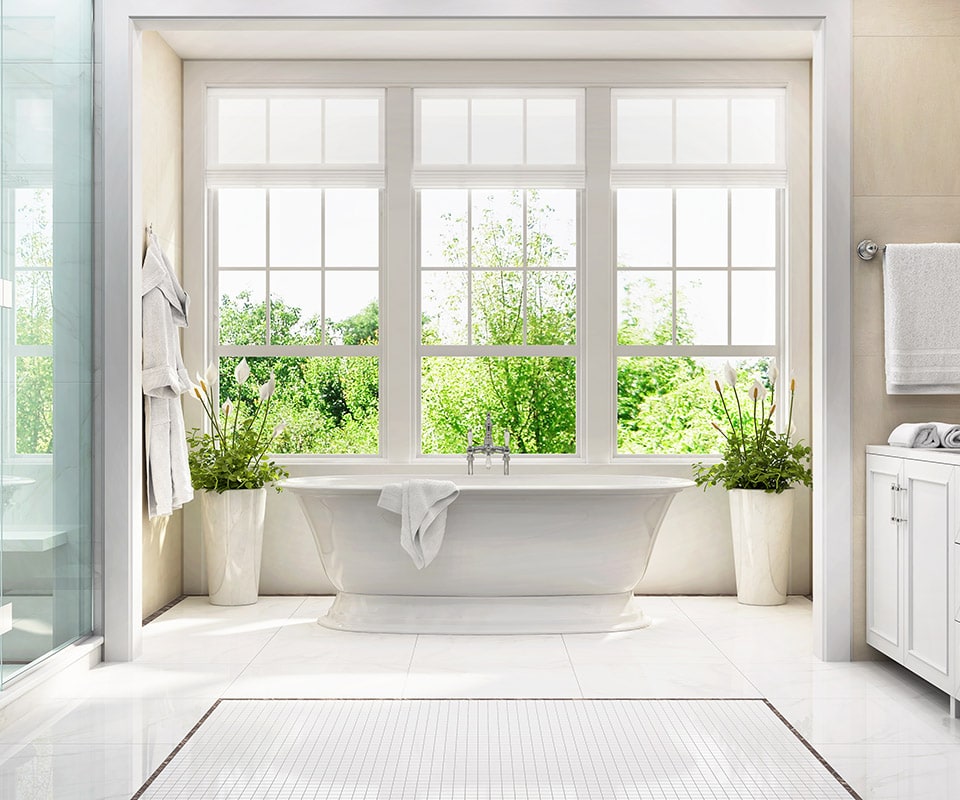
[164, 378]
[915, 434]
[422, 506]
[921, 305]
[949, 434]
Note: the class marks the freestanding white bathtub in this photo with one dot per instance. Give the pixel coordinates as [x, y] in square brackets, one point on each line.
[521, 554]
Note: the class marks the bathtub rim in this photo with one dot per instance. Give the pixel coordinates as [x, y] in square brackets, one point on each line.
[527, 484]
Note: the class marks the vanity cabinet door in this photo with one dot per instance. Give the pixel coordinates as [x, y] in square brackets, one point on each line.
[884, 555]
[929, 516]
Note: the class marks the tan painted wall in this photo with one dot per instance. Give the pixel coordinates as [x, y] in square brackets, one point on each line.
[906, 188]
[163, 207]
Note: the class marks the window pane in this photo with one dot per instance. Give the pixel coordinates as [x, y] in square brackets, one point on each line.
[352, 309]
[34, 401]
[443, 131]
[701, 131]
[32, 229]
[551, 228]
[645, 228]
[754, 307]
[701, 307]
[644, 131]
[443, 227]
[497, 131]
[551, 131]
[753, 127]
[497, 307]
[295, 216]
[352, 130]
[497, 234]
[34, 307]
[243, 308]
[352, 227]
[535, 398]
[296, 315]
[241, 228]
[753, 220]
[296, 130]
[668, 405]
[241, 131]
[701, 227]
[443, 307]
[329, 405]
[551, 307]
[645, 308]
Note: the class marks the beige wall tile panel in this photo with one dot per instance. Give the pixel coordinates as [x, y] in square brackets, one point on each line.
[906, 18]
[162, 159]
[906, 115]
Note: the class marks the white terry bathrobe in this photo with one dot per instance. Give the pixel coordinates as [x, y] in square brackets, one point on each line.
[164, 378]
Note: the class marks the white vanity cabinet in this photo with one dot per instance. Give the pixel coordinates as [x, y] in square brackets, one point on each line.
[911, 550]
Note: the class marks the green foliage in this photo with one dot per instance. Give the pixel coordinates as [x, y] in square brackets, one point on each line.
[233, 455]
[755, 455]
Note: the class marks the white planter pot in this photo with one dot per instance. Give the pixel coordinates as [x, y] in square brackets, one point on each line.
[762, 524]
[233, 541]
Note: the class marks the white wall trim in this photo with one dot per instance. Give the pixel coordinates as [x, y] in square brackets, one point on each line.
[831, 19]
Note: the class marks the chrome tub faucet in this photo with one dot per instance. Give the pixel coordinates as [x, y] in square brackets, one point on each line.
[488, 448]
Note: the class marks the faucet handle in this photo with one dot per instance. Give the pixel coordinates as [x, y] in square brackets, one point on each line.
[469, 437]
[506, 438]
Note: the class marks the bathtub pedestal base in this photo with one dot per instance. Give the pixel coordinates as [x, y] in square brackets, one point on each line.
[370, 613]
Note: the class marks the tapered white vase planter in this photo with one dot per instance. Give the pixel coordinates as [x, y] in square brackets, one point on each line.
[233, 541]
[761, 523]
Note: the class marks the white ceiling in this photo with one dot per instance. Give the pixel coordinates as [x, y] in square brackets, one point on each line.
[487, 39]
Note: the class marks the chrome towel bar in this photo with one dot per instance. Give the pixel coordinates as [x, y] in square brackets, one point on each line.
[868, 248]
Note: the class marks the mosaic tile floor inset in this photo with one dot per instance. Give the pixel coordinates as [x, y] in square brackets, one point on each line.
[496, 749]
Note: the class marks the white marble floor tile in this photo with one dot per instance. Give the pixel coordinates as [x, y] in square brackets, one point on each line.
[143, 680]
[868, 720]
[45, 771]
[864, 679]
[490, 666]
[340, 678]
[676, 679]
[898, 772]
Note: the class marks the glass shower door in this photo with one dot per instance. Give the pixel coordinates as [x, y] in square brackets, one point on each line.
[46, 222]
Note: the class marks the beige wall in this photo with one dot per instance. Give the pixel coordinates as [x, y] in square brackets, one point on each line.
[906, 187]
[163, 207]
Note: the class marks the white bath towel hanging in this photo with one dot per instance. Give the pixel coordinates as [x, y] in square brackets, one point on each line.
[921, 300]
[422, 506]
[164, 307]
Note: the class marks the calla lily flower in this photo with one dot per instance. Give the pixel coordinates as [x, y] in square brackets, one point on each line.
[758, 392]
[279, 429]
[195, 391]
[266, 391]
[227, 408]
[201, 382]
[211, 375]
[729, 374]
[774, 371]
[242, 371]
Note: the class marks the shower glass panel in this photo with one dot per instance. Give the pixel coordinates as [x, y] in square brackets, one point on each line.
[46, 300]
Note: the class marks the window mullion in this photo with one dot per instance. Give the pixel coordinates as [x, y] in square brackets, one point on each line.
[596, 324]
[399, 367]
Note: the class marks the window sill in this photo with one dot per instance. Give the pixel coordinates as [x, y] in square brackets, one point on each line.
[522, 463]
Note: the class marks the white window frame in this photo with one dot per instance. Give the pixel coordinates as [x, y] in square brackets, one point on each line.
[596, 351]
[728, 177]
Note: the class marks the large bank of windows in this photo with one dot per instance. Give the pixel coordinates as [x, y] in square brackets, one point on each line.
[498, 254]
[295, 197]
[700, 177]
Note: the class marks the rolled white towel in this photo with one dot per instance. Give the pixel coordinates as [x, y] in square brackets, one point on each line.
[949, 434]
[915, 434]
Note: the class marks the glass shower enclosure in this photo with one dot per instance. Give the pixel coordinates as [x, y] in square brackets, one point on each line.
[46, 302]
